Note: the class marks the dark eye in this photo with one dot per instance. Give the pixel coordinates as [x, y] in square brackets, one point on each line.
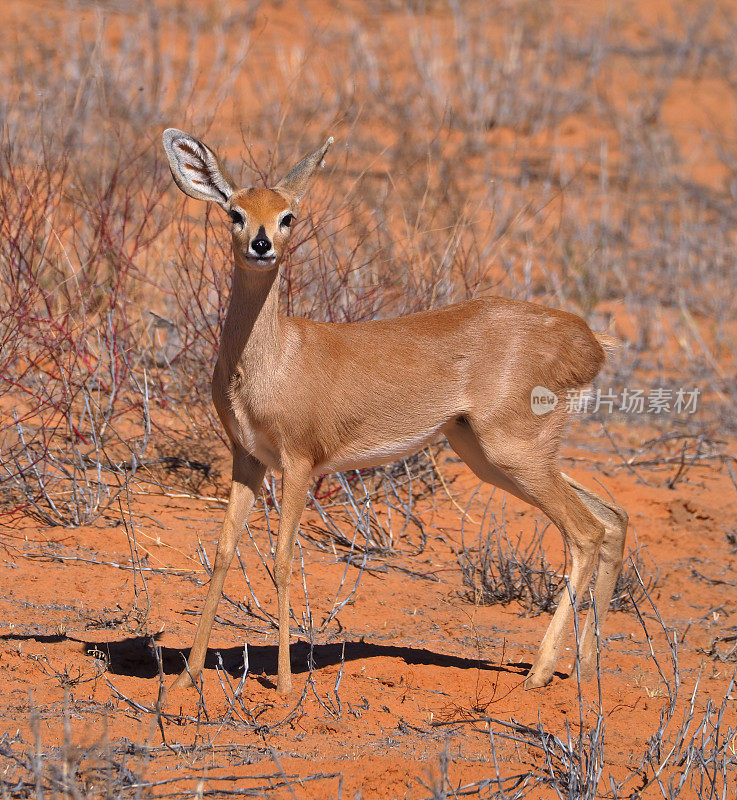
[287, 220]
[237, 217]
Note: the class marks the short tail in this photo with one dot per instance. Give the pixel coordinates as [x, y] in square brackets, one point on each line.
[610, 344]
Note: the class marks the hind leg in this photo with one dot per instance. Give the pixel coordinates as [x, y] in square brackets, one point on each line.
[465, 441]
[584, 534]
[614, 518]
[529, 471]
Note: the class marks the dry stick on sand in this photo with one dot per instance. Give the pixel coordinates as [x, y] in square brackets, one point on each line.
[308, 398]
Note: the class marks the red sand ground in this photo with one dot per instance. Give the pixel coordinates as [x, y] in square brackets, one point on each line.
[417, 652]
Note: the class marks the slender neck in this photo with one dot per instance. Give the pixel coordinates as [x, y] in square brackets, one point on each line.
[251, 329]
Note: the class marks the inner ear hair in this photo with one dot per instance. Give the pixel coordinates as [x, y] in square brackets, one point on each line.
[196, 170]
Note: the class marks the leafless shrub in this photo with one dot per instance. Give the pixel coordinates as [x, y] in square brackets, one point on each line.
[155, 285]
[499, 570]
[127, 769]
[694, 758]
[376, 510]
[697, 756]
[95, 770]
[634, 582]
[570, 764]
[66, 340]
[502, 571]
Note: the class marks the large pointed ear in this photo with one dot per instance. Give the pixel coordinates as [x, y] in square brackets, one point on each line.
[197, 171]
[296, 182]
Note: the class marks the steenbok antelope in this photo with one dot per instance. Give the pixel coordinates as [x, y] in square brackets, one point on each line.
[309, 397]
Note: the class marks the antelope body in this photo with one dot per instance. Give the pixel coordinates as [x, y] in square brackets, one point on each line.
[308, 398]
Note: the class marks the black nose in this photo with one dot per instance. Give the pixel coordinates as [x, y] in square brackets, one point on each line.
[261, 244]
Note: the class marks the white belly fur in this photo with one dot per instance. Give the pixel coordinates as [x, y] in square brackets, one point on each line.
[256, 442]
[382, 453]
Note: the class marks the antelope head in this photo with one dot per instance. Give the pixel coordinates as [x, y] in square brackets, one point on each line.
[261, 219]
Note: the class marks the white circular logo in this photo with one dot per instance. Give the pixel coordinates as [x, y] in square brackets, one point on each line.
[542, 400]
